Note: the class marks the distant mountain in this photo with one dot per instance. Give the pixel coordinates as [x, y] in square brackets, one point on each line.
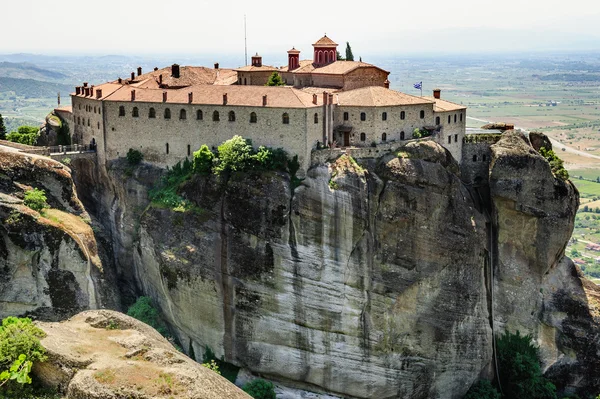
[28, 71]
[30, 88]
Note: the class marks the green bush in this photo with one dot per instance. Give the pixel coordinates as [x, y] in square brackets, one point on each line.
[27, 135]
[556, 164]
[35, 199]
[143, 310]
[418, 133]
[134, 157]
[482, 389]
[519, 368]
[275, 80]
[235, 154]
[165, 193]
[227, 370]
[203, 160]
[260, 389]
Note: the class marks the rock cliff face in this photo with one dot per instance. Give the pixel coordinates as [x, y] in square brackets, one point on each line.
[374, 281]
[50, 263]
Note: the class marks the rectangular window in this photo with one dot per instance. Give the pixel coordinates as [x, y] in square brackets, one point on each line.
[189, 150]
[449, 139]
[345, 116]
[456, 138]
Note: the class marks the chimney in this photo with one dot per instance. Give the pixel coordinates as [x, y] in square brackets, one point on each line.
[437, 93]
[225, 99]
[132, 75]
[84, 84]
[265, 100]
[98, 93]
[216, 65]
[160, 79]
[87, 91]
[120, 80]
[190, 97]
[164, 96]
[156, 68]
[325, 98]
[386, 84]
[175, 71]
[330, 98]
[77, 90]
[132, 95]
[256, 60]
[314, 99]
[139, 71]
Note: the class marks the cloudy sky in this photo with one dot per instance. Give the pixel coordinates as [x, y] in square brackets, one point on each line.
[375, 27]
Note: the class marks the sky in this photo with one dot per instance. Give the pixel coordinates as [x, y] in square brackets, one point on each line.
[372, 27]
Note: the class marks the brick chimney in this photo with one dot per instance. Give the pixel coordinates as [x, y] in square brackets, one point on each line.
[98, 93]
[87, 91]
[175, 71]
[77, 90]
[156, 68]
[225, 99]
[164, 96]
[330, 98]
[256, 60]
[160, 79]
[132, 75]
[386, 84]
[120, 81]
[315, 99]
[216, 65]
[84, 84]
[132, 95]
[139, 71]
[190, 97]
[437, 93]
[325, 98]
[265, 100]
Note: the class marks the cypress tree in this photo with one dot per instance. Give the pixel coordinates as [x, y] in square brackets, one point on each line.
[349, 55]
[2, 129]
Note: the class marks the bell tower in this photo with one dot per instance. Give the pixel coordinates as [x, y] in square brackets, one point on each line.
[293, 59]
[325, 51]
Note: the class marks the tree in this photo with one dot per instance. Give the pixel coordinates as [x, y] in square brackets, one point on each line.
[2, 129]
[275, 80]
[349, 55]
[339, 56]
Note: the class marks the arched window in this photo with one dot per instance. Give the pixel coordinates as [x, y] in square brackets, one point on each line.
[245, 82]
[316, 117]
[167, 148]
[135, 112]
[182, 114]
[384, 137]
[94, 109]
[285, 119]
[384, 116]
[346, 116]
[231, 116]
[216, 116]
[363, 116]
[252, 117]
[402, 135]
[461, 117]
[121, 110]
[449, 119]
[151, 113]
[422, 114]
[167, 113]
[199, 115]
[475, 158]
[327, 56]
[363, 137]
[402, 115]
[454, 118]
[437, 120]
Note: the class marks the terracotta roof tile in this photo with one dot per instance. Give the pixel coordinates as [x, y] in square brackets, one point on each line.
[335, 68]
[252, 68]
[188, 76]
[376, 96]
[293, 51]
[444, 106]
[325, 42]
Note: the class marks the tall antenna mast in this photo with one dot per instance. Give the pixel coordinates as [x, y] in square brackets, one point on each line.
[245, 43]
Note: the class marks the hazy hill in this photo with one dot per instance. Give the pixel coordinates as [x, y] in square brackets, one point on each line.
[28, 71]
[30, 88]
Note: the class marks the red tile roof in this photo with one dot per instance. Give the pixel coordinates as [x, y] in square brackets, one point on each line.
[325, 42]
[377, 96]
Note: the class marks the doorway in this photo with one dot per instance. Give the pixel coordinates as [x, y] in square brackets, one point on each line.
[346, 139]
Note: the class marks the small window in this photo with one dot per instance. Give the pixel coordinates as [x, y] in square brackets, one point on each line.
[384, 137]
[135, 112]
[98, 125]
[199, 115]
[167, 148]
[449, 139]
[449, 119]
[422, 114]
[99, 111]
[402, 135]
[461, 117]
[182, 114]
[484, 158]
[363, 116]
[94, 109]
[252, 117]
[316, 118]
[79, 106]
[245, 83]
[456, 138]
[455, 118]
[231, 116]
[346, 116]
[121, 110]
[437, 120]
[363, 137]
[167, 114]
[402, 115]
[88, 122]
[216, 116]
[189, 150]
[285, 118]
[151, 113]
[384, 116]
[475, 158]
[79, 120]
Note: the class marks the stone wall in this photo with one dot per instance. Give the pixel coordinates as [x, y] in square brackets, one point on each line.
[453, 126]
[322, 80]
[88, 123]
[475, 164]
[363, 77]
[254, 78]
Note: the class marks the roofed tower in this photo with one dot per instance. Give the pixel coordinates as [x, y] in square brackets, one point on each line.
[293, 59]
[325, 51]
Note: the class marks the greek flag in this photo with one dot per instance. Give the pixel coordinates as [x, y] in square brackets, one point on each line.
[418, 85]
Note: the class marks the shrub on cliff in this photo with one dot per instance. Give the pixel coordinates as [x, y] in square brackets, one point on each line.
[519, 368]
[556, 164]
[203, 160]
[144, 311]
[27, 135]
[235, 154]
[35, 199]
[134, 157]
[260, 389]
[482, 389]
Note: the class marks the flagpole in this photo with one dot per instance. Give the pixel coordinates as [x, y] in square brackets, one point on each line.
[421, 89]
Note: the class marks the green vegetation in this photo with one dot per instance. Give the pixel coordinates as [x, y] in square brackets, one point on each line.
[165, 193]
[134, 157]
[24, 135]
[20, 348]
[227, 370]
[519, 368]
[349, 55]
[144, 311]
[275, 80]
[2, 128]
[36, 199]
[30, 88]
[212, 365]
[418, 133]
[260, 389]
[482, 389]
[555, 163]
[203, 160]
[63, 137]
